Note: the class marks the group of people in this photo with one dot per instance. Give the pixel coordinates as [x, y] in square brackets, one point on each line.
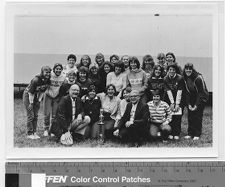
[138, 101]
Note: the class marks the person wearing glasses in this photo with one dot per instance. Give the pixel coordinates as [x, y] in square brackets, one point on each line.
[133, 127]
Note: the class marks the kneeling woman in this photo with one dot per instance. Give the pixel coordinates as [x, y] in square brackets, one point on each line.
[160, 116]
[110, 106]
[196, 97]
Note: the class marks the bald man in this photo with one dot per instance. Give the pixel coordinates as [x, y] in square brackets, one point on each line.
[70, 115]
[133, 126]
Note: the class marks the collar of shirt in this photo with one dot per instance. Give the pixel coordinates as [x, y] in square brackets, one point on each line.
[73, 99]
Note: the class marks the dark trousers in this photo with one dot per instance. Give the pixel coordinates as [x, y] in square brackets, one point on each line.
[195, 121]
[176, 125]
[133, 133]
[32, 114]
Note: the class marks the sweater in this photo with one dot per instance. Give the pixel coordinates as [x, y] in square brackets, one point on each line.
[161, 113]
[137, 80]
[56, 82]
[110, 106]
[119, 81]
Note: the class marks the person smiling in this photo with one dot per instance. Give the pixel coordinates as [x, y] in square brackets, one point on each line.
[196, 98]
[32, 97]
[70, 115]
[156, 82]
[83, 80]
[51, 97]
[136, 78]
[117, 77]
[71, 60]
[133, 125]
[160, 116]
[103, 71]
[110, 106]
[174, 86]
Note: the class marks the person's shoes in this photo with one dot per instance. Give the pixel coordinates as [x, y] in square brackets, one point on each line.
[176, 137]
[165, 141]
[36, 136]
[52, 135]
[187, 137]
[170, 137]
[196, 138]
[31, 136]
[158, 134]
[45, 133]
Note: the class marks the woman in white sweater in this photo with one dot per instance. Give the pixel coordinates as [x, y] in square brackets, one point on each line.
[117, 77]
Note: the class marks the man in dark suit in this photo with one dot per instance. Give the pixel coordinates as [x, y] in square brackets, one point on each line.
[70, 115]
[133, 126]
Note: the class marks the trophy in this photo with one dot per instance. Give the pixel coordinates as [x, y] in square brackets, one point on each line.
[100, 123]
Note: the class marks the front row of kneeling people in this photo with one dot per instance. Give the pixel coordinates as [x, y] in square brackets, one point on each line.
[131, 119]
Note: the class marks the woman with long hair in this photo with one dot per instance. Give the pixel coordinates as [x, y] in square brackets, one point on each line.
[147, 65]
[156, 82]
[137, 79]
[117, 77]
[84, 61]
[110, 105]
[171, 59]
[99, 59]
[94, 76]
[196, 98]
[32, 97]
[103, 72]
[83, 80]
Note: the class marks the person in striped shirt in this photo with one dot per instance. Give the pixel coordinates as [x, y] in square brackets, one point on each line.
[160, 116]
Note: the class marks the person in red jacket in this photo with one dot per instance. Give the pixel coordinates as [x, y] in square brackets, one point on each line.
[196, 97]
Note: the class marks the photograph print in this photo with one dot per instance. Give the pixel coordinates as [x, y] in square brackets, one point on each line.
[116, 78]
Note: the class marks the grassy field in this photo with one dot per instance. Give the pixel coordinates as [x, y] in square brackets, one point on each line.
[20, 139]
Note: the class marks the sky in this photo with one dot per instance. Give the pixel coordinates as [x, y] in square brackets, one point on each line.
[185, 35]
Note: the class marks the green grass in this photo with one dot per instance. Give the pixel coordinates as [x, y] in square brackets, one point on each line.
[20, 139]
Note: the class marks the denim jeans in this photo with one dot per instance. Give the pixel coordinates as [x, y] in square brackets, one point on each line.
[50, 107]
[32, 114]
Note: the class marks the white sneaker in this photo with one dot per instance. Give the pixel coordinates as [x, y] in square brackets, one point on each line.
[36, 136]
[196, 138]
[31, 137]
[187, 137]
[45, 133]
[158, 134]
[170, 137]
[52, 135]
[165, 141]
[176, 137]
